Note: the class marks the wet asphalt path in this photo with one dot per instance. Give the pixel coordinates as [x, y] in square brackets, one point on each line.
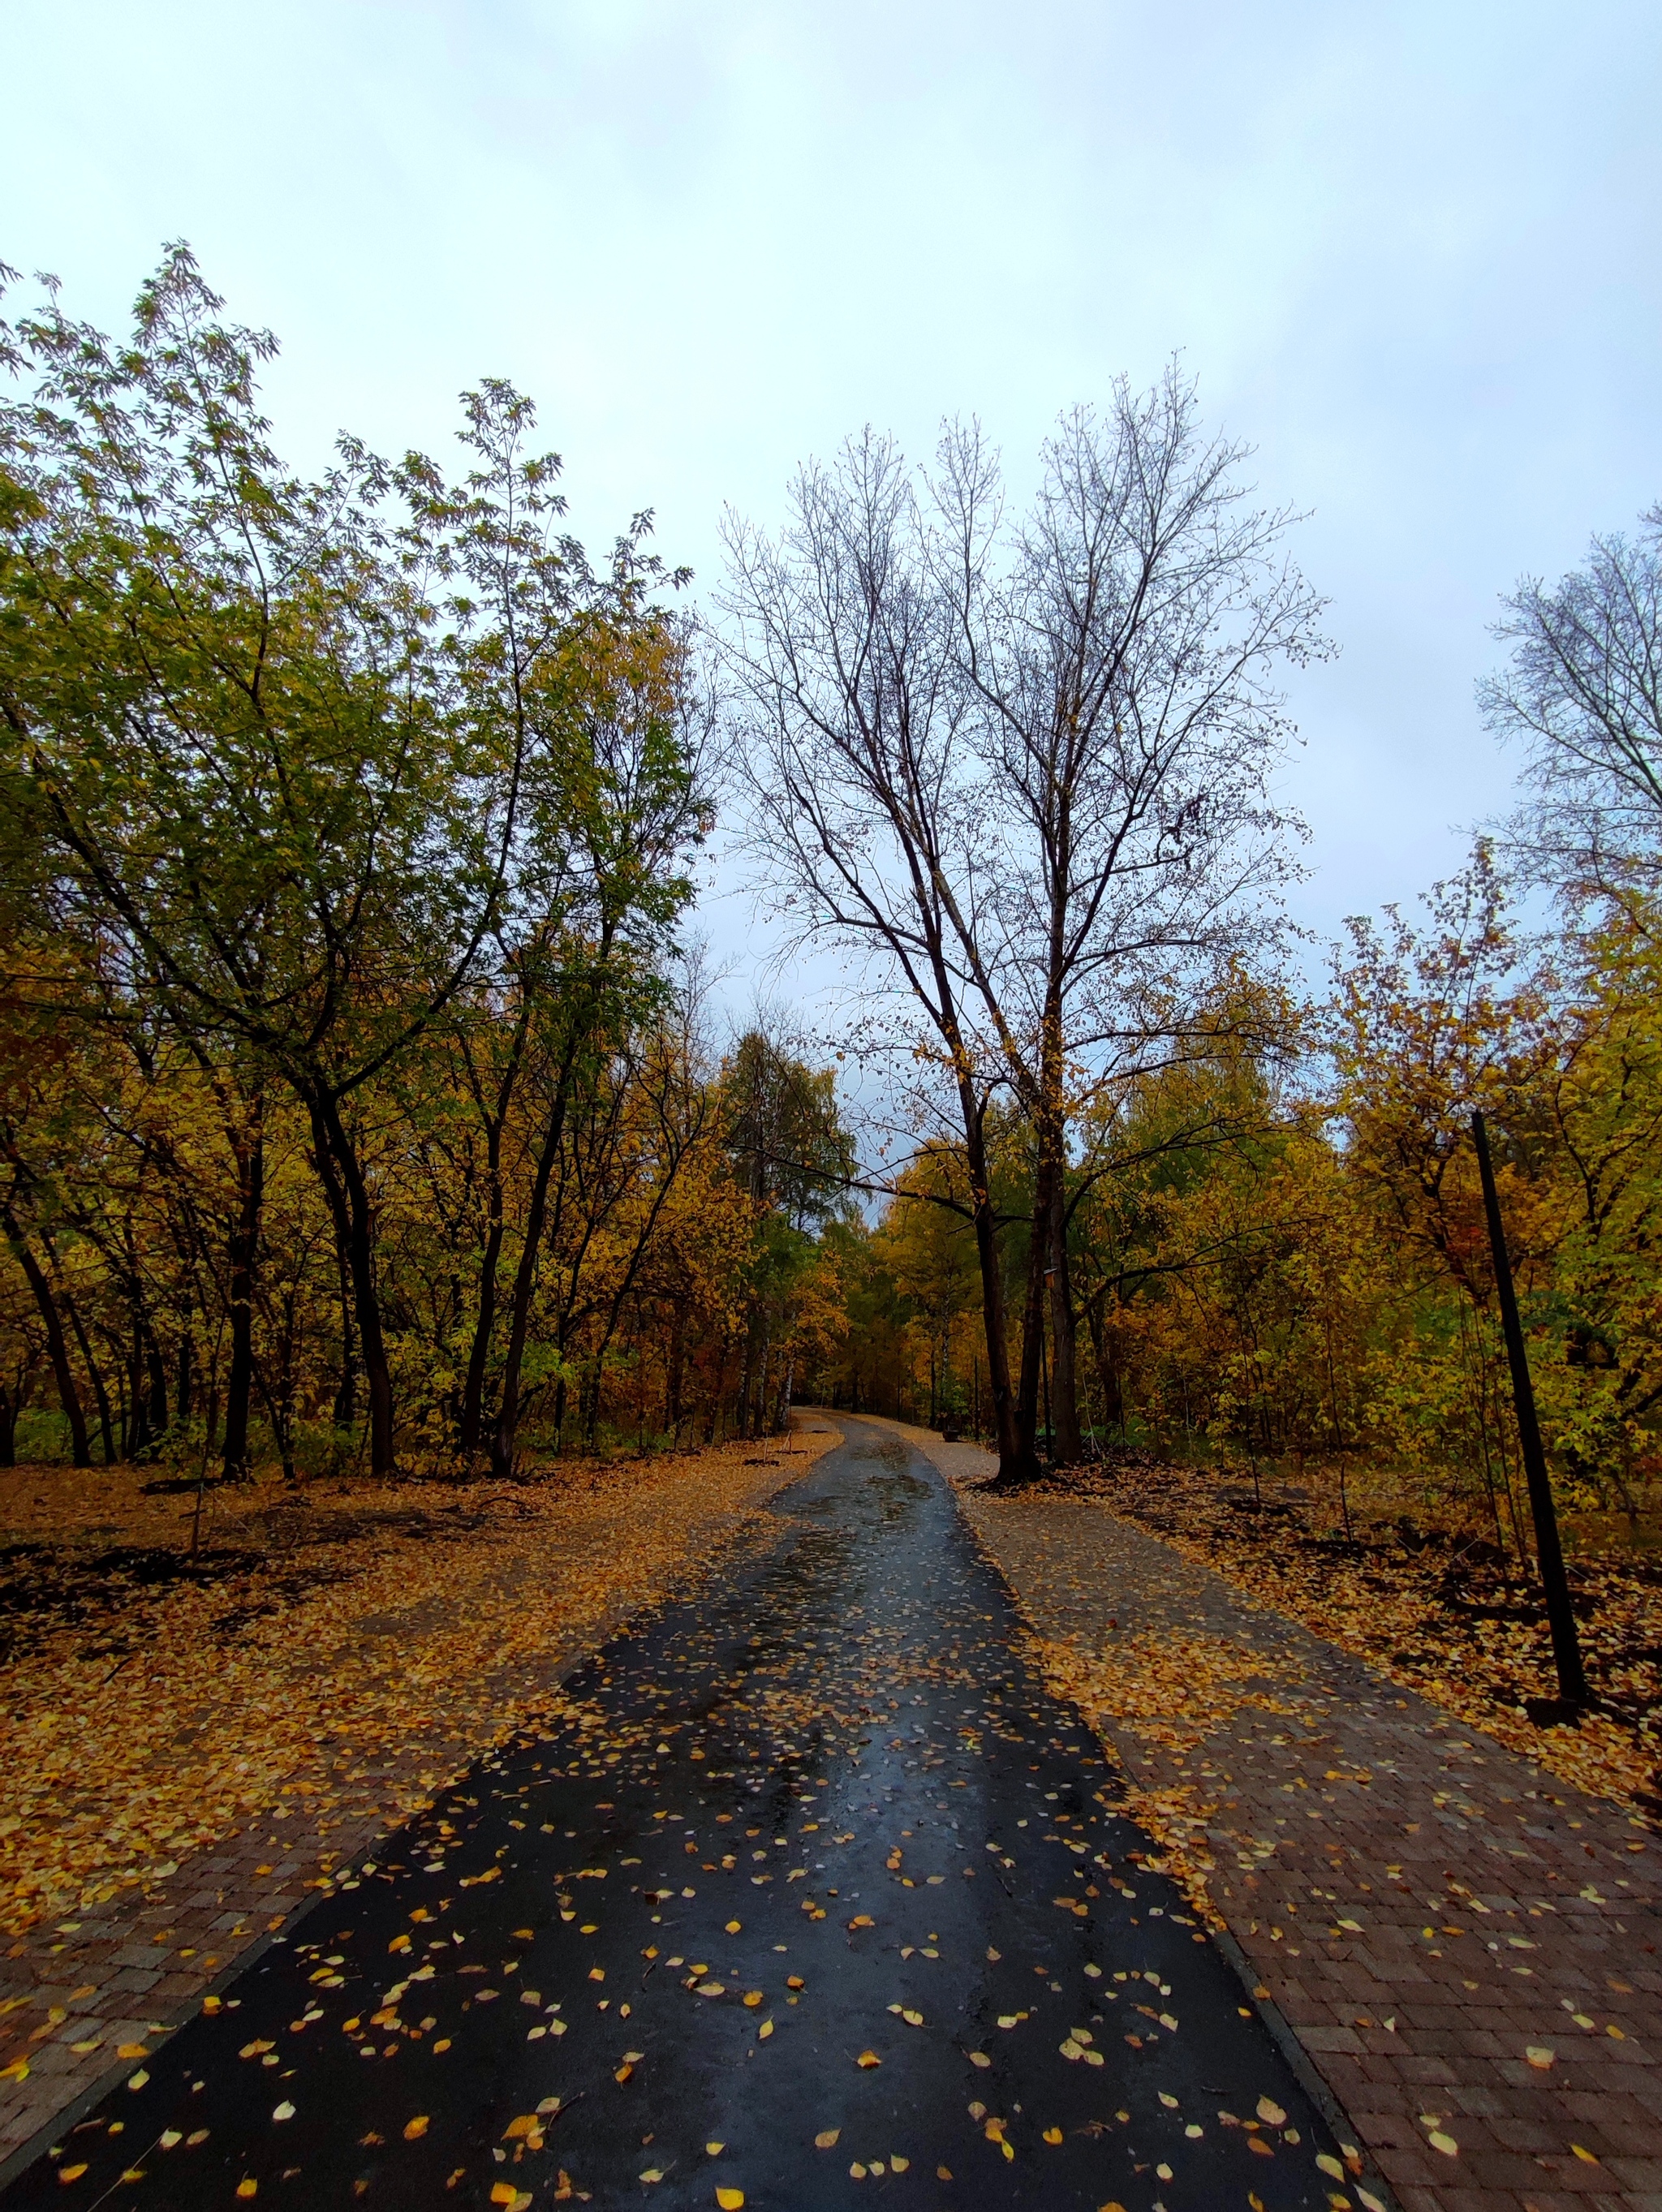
[813, 1896]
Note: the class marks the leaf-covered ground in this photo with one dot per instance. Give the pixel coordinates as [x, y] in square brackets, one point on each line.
[1464, 1943]
[807, 1887]
[326, 1655]
[1436, 1609]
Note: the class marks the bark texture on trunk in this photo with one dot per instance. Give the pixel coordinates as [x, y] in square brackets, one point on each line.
[51, 1322]
[244, 1250]
[1067, 1448]
[341, 1172]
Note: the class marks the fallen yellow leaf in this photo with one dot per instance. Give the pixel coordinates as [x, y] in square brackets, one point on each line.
[730, 2200]
[868, 2058]
[413, 2129]
[826, 2139]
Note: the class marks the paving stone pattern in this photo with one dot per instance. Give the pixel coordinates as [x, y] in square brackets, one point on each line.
[1421, 1929]
[140, 1965]
[817, 1891]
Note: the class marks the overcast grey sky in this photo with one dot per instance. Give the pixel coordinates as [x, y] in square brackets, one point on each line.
[1409, 250]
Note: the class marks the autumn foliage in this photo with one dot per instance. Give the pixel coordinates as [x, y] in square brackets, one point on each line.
[358, 1100]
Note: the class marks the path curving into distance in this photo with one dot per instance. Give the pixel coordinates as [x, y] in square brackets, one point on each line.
[815, 1899]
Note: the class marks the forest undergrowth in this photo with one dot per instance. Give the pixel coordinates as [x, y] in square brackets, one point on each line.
[1424, 1598]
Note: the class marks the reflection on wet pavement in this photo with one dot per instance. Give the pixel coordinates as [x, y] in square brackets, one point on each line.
[810, 1890]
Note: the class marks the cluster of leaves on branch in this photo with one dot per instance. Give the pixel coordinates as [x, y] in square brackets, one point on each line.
[355, 1092]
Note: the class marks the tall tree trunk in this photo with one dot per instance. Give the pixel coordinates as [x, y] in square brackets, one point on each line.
[348, 1194]
[135, 1438]
[525, 1279]
[472, 1407]
[747, 1368]
[472, 1425]
[100, 1396]
[57, 1349]
[244, 1254]
[1015, 1453]
[677, 1352]
[1032, 1318]
[1066, 1444]
[346, 1390]
[157, 1371]
[185, 1381]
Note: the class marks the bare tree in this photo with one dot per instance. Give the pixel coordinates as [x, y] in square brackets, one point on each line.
[1583, 695]
[866, 800]
[1030, 767]
[1117, 648]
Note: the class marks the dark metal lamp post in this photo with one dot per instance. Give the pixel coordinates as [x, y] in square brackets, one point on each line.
[1565, 1644]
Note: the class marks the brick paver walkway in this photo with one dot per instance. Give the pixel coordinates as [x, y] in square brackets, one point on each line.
[75, 1993]
[1466, 1945]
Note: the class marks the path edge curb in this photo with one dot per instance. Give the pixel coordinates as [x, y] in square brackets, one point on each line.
[1309, 2077]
